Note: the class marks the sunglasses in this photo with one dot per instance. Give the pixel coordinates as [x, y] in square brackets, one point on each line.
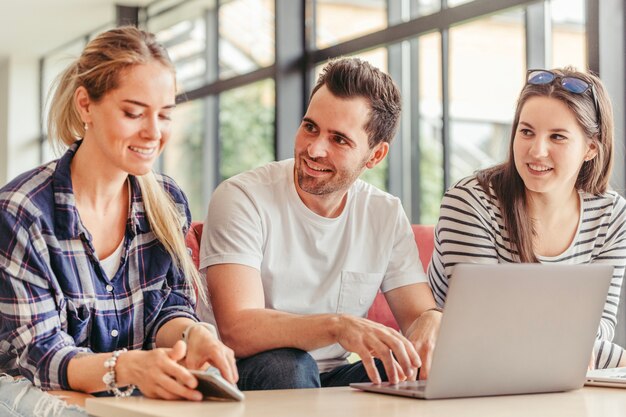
[572, 84]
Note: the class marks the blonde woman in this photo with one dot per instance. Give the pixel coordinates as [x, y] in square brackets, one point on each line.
[96, 285]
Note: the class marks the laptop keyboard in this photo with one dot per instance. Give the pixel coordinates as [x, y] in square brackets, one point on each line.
[411, 386]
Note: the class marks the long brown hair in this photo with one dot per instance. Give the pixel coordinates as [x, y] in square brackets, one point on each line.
[98, 69]
[593, 177]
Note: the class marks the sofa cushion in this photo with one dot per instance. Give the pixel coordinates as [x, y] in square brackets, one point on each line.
[425, 240]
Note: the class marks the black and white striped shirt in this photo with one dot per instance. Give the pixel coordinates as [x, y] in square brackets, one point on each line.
[471, 230]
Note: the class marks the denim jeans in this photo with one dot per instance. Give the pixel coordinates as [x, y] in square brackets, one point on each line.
[20, 398]
[293, 368]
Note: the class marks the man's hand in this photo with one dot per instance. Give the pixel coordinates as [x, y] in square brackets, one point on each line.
[203, 348]
[373, 340]
[423, 335]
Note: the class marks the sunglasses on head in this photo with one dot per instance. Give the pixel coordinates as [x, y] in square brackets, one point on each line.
[572, 84]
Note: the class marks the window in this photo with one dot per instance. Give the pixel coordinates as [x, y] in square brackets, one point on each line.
[568, 34]
[429, 138]
[183, 31]
[246, 36]
[485, 80]
[224, 52]
[183, 158]
[342, 20]
[246, 121]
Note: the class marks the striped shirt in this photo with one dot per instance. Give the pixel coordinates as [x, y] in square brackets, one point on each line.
[471, 230]
[56, 301]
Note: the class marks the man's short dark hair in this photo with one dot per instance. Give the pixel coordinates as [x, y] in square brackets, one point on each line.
[352, 77]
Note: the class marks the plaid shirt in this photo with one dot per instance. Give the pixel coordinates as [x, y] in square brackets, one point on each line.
[55, 299]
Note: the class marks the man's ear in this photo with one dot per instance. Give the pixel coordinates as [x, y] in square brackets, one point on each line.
[378, 154]
[83, 104]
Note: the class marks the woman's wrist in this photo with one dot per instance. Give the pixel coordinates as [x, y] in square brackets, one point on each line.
[197, 326]
[113, 379]
[124, 368]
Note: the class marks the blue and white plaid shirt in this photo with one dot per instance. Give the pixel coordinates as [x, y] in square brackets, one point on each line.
[55, 299]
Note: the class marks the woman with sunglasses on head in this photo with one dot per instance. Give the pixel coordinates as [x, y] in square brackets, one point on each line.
[549, 202]
[96, 282]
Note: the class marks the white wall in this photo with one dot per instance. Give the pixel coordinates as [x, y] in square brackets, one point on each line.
[19, 116]
[4, 130]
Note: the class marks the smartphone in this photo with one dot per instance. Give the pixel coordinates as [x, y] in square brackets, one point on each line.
[212, 385]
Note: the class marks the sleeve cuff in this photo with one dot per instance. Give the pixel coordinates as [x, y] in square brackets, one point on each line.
[166, 316]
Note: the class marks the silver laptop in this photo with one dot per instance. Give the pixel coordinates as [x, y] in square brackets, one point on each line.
[513, 329]
[612, 377]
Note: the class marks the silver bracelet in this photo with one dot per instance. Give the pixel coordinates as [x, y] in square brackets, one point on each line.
[207, 326]
[110, 380]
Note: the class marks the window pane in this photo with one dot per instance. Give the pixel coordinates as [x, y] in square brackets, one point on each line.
[431, 151]
[454, 3]
[246, 128]
[426, 7]
[485, 80]
[341, 20]
[182, 31]
[183, 156]
[568, 33]
[246, 36]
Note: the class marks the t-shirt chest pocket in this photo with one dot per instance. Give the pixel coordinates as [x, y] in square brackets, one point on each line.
[357, 292]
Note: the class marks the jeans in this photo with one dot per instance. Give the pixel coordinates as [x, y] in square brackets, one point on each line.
[20, 398]
[293, 368]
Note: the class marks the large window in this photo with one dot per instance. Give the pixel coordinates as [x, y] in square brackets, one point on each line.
[245, 66]
[245, 69]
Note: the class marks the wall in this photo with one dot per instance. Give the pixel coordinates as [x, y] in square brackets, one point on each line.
[612, 69]
[4, 130]
[19, 117]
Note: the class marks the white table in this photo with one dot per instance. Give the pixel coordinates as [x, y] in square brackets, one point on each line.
[346, 402]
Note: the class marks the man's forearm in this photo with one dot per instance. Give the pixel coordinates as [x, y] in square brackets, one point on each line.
[258, 330]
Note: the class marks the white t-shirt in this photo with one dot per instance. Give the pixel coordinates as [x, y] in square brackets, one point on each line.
[311, 264]
[111, 263]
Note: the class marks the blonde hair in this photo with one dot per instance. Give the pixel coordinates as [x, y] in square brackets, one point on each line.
[98, 69]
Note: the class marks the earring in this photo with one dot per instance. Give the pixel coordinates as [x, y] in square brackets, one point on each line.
[86, 127]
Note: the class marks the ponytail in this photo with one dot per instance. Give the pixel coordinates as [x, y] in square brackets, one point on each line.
[164, 220]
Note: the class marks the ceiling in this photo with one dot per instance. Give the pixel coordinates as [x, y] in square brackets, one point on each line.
[31, 28]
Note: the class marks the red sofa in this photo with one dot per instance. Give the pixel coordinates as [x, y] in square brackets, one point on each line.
[379, 312]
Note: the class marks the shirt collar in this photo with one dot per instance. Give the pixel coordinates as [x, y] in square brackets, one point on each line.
[66, 218]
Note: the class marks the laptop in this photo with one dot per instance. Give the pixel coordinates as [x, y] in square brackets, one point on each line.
[512, 329]
[612, 377]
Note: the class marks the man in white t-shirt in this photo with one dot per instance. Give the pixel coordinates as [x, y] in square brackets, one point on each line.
[295, 251]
